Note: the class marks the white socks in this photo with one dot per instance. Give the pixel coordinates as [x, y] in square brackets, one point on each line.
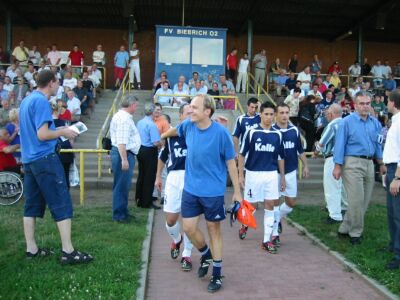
[268, 224]
[174, 232]
[188, 246]
[284, 210]
[277, 219]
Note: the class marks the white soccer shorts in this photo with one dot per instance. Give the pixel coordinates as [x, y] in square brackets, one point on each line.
[291, 185]
[173, 191]
[260, 186]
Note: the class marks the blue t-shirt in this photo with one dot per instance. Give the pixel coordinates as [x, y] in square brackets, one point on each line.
[244, 123]
[121, 59]
[292, 145]
[262, 149]
[174, 153]
[11, 128]
[208, 150]
[34, 112]
[148, 131]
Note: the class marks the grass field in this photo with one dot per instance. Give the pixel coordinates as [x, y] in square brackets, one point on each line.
[369, 256]
[113, 274]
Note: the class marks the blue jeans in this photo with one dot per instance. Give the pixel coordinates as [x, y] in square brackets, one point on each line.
[393, 212]
[122, 184]
[45, 183]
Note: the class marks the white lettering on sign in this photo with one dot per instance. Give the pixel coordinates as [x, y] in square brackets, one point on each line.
[195, 32]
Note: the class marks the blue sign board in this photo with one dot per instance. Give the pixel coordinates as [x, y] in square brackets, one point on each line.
[184, 50]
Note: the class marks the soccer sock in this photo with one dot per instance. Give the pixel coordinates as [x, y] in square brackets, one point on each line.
[188, 246]
[217, 266]
[277, 219]
[205, 252]
[285, 209]
[175, 232]
[268, 224]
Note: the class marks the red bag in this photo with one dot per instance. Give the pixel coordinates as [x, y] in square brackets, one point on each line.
[245, 215]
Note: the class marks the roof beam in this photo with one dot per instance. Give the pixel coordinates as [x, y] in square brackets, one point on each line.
[250, 13]
[382, 6]
[16, 11]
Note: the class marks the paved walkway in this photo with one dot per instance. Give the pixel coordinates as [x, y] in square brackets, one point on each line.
[299, 271]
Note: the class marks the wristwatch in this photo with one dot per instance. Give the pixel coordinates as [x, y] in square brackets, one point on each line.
[396, 178]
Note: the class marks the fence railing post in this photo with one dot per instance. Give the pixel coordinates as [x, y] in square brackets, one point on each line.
[82, 177]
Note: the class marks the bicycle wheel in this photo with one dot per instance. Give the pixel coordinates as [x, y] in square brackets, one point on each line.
[11, 188]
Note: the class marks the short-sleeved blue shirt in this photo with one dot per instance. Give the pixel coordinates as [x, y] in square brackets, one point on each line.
[35, 111]
[208, 150]
[148, 131]
[121, 59]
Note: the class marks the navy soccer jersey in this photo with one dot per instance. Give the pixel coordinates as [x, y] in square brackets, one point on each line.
[244, 123]
[174, 153]
[292, 145]
[262, 149]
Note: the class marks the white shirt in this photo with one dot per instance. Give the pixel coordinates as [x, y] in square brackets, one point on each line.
[202, 90]
[316, 94]
[95, 79]
[302, 95]
[123, 131]
[386, 71]
[183, 91]
[99, 57]
[73, 104]
[243, 64]
[8, 87]
[34, 57]
[355, 70]
[164, 100]
[98, 74]
[28, 75]
[304, 77]
[12, 74]
[391, 152]
[134, 53]
[60, 92]
[71, 83]
[378, 71]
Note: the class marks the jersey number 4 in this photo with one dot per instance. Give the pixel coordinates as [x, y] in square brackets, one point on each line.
[249, 193]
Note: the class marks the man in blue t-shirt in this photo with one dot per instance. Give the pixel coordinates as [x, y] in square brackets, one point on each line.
[121, 61]
[293, 152]
[210, 153]
[173, 155]
[262, 155]
[44, 180]
[245, 122]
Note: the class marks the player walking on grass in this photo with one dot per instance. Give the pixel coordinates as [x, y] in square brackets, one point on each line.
[210, 153]
[293, 152]
[174, 156]
[262, 155]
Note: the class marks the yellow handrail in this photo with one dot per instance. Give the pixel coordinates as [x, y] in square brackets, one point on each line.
[82, 167]
[259, 88]
[105, 126]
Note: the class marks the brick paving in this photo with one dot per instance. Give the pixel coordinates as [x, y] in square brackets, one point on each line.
[300, 270]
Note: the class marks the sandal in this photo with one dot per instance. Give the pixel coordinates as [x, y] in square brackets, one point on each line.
[75, 257]
[42, 252]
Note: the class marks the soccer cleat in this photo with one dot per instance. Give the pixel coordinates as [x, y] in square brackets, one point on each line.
[269, 247]
[243, 232]
[186, 264]
[204, 264]
[276, 241]
[175, 249]
[280, 227]
[215, 284]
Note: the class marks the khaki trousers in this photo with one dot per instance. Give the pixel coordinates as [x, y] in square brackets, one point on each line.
[259, 76]
[358, 180]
